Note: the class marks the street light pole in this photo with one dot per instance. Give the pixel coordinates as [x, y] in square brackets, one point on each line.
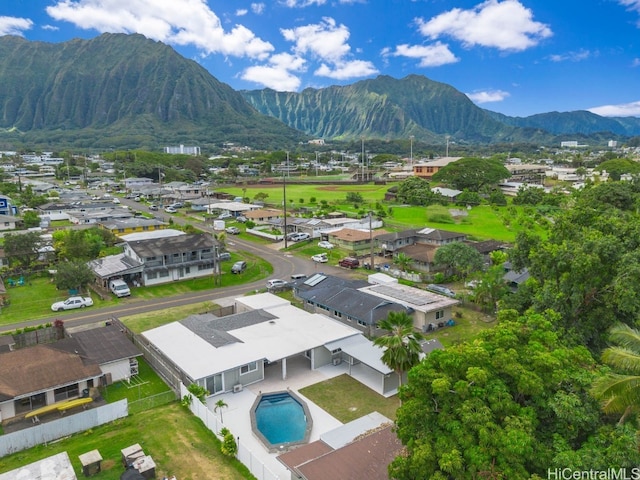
[284, 202]
[371, 241]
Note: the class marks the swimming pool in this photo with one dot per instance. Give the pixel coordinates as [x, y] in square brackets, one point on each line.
[281, 419]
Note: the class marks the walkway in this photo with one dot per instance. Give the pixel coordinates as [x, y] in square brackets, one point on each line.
[236, 415]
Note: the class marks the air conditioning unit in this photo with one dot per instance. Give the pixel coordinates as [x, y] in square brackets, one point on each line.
[337, 361]
[237, 388]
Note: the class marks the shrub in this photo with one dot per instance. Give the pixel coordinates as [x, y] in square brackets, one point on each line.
[229, 446]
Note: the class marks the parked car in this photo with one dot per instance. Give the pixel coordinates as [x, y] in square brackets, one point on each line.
[153, 207]
[325, 244]
[224, 256]
[116, 201]
[320, 258]
[170, 210]
[298, 236]
[298, 276]
[239, 267]
[224, 216]
[349, 262]
[241, 219]
[276, 283]
[177, 205]
[442, 290]
[232, 230]
[71, 303]
[119, 288]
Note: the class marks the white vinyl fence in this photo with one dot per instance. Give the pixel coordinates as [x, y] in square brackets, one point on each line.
[50, 431]
[257, 468]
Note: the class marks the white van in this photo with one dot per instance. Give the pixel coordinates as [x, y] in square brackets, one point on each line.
[119, 288]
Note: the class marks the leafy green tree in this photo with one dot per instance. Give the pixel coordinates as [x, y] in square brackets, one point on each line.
[491, 288]
[458, 258]
[354, 197]
[22, 249]
[497, 406]
[468, 197]
[229, 446]
[415, 191]
[30, 219]
[473, 174]
[402, 343]
[73, 275]
[619, 166]
[497, 197]
[620, 392]
[529, 195]
[199, 392]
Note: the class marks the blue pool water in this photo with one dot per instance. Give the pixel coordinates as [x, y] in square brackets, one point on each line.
[280, 418]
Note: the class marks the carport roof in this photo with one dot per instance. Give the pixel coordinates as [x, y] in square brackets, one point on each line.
[363, 350]
[114, 265]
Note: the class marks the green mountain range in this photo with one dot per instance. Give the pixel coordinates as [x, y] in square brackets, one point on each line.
[126, 91]
[123, 91]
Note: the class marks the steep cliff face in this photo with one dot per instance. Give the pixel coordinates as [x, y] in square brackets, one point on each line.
[114, 79]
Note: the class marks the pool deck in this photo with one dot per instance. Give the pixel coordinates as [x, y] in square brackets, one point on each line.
[237, 419]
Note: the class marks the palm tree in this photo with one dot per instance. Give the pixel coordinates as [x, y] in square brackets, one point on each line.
[402, 345]
[403, 261]
[620, 392]
[220, 404]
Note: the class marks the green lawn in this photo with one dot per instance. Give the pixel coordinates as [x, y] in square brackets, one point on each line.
[146, 321]
[33, 301]
[347, 399]
[178, 441]
[145, 384]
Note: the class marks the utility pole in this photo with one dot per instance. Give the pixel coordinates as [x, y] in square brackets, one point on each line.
[362, 159]
[284, 202]
[371, 241]
[411, 154]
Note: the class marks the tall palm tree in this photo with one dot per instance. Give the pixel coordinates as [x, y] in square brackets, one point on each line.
[401, 345]
[220, 404]
[620, 392]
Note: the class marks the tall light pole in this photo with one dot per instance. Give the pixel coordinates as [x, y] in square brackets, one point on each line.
[447, 150]
[411, 154]
[371, 241]
[362, 159]
[316, 164]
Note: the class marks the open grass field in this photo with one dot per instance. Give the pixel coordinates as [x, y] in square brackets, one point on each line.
[178, 442]
[347, 399]
[146, 321]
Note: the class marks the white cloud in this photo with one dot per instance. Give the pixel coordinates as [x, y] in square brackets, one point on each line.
[571, 56]
[488, 96]
[14, 25]
[278, 73]
[327, 42]
[241, 12]
[623, 110]
[188, 22]
[631, 4]
[635, 62]
[347, 70]
[302, 3]
[505, 25]
[258, 8]
[430, 55]
[52, 28]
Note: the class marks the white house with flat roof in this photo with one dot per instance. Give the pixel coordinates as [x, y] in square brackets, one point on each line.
[224, 354]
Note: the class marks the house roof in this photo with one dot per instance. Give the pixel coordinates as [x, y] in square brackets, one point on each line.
[439, 235]
[106, 344]
[411, 297]
[42, 367]
[284, 331]
[487, 246]
[352, 235]
[420, 252]
[131, 223]
[263, 212]
[365, 458]
[113, 265]
[155, 247]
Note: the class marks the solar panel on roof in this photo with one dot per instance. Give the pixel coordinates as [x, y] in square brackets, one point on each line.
[415, 297]
[314, 280]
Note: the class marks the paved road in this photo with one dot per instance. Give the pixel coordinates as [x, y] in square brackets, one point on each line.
[284, 265]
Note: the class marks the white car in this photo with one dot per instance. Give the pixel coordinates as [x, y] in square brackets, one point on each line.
[320, 258]
[276, 283]
[325, 244]
[71, 303]
[170, 210]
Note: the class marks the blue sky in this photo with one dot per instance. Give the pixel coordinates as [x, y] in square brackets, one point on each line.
[517, 57]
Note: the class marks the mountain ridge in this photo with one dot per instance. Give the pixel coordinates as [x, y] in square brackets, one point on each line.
[127, 90]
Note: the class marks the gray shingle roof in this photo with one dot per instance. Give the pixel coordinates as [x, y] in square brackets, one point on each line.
[155, 247]
[214, 330]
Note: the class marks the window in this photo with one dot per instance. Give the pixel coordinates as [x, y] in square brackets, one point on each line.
[64, 393]
[164, 274]
[362, 323]
[187, 270]
[439, 314]
[151, 275]
[248, 368]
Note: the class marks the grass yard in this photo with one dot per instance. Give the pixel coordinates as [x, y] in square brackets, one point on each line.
[347, 399]
[468, 325]
[145, 384]
[179, 443]
[34, 299]
[146, 321]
